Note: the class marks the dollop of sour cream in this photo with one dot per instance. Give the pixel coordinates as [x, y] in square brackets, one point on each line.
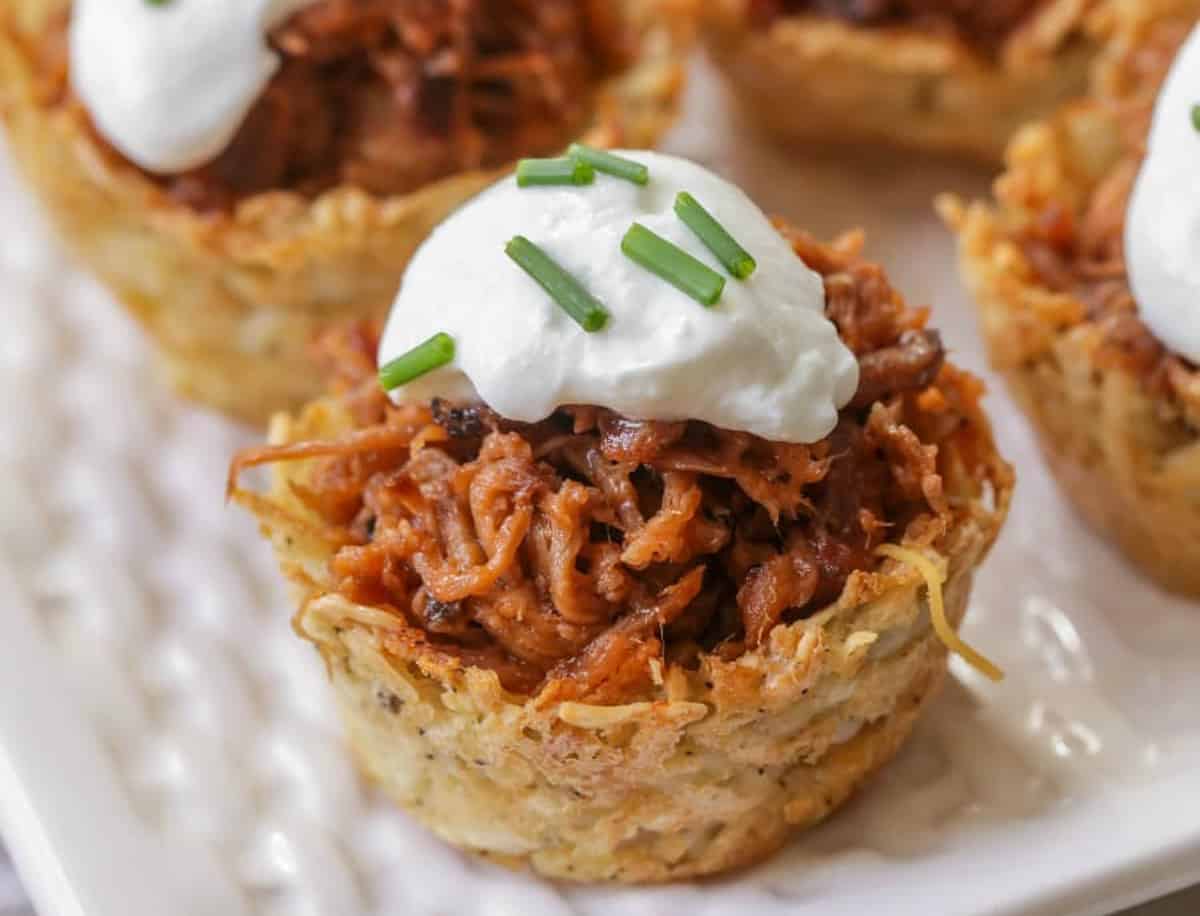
[764, 359]
[169, 84]
[1162, 227]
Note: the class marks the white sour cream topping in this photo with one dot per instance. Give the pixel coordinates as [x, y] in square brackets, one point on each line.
[764, 360]
[1162, 228]
[170, 85]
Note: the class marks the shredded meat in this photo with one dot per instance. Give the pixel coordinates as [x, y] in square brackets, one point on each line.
[912, 361]
[1082, 251]
[983, 23]
[568, 554]
[388, 95]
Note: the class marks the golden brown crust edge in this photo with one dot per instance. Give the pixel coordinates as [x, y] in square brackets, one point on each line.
[810, 79]
[234, 302]
[1117, 452]
[710, 770]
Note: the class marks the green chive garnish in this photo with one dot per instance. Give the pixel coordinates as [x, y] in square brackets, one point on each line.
[566, 170]
[564, 289]
[436, 351]
[673, 264]
[1196, 117]
[617, 166]
[735, 258]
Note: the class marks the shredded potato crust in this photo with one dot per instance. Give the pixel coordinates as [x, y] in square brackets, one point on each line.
[984, 24]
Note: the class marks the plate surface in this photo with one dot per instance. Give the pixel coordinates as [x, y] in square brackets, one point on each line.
[167, 745]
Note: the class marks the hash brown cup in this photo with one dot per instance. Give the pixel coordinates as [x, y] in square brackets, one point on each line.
[233, 300]
[693, 767]
[1123, 442]
[816, 79]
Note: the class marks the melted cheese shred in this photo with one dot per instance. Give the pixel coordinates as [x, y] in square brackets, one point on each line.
[937, 609]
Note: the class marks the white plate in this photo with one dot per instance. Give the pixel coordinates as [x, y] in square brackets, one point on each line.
[167, 746]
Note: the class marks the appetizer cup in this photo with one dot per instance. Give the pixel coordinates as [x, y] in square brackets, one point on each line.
[305, 213]
[659, 547]
[947, 77]
[1083, 307]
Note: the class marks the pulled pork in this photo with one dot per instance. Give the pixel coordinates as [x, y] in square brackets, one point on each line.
[982, 23]
[574, 551]
[389, 95]
[1081, 251]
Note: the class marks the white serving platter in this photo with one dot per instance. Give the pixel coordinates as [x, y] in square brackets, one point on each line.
[167, 746]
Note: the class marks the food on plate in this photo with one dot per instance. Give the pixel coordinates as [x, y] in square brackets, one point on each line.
[955, 76]
[242, 172]
[1085, 271]
[659, 545]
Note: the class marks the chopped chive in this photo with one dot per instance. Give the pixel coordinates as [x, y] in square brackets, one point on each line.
[564, 170]
[617, 166]
[433, 353]
[736, 259]
[1196, 117]
[673, 264]
[564, 289]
